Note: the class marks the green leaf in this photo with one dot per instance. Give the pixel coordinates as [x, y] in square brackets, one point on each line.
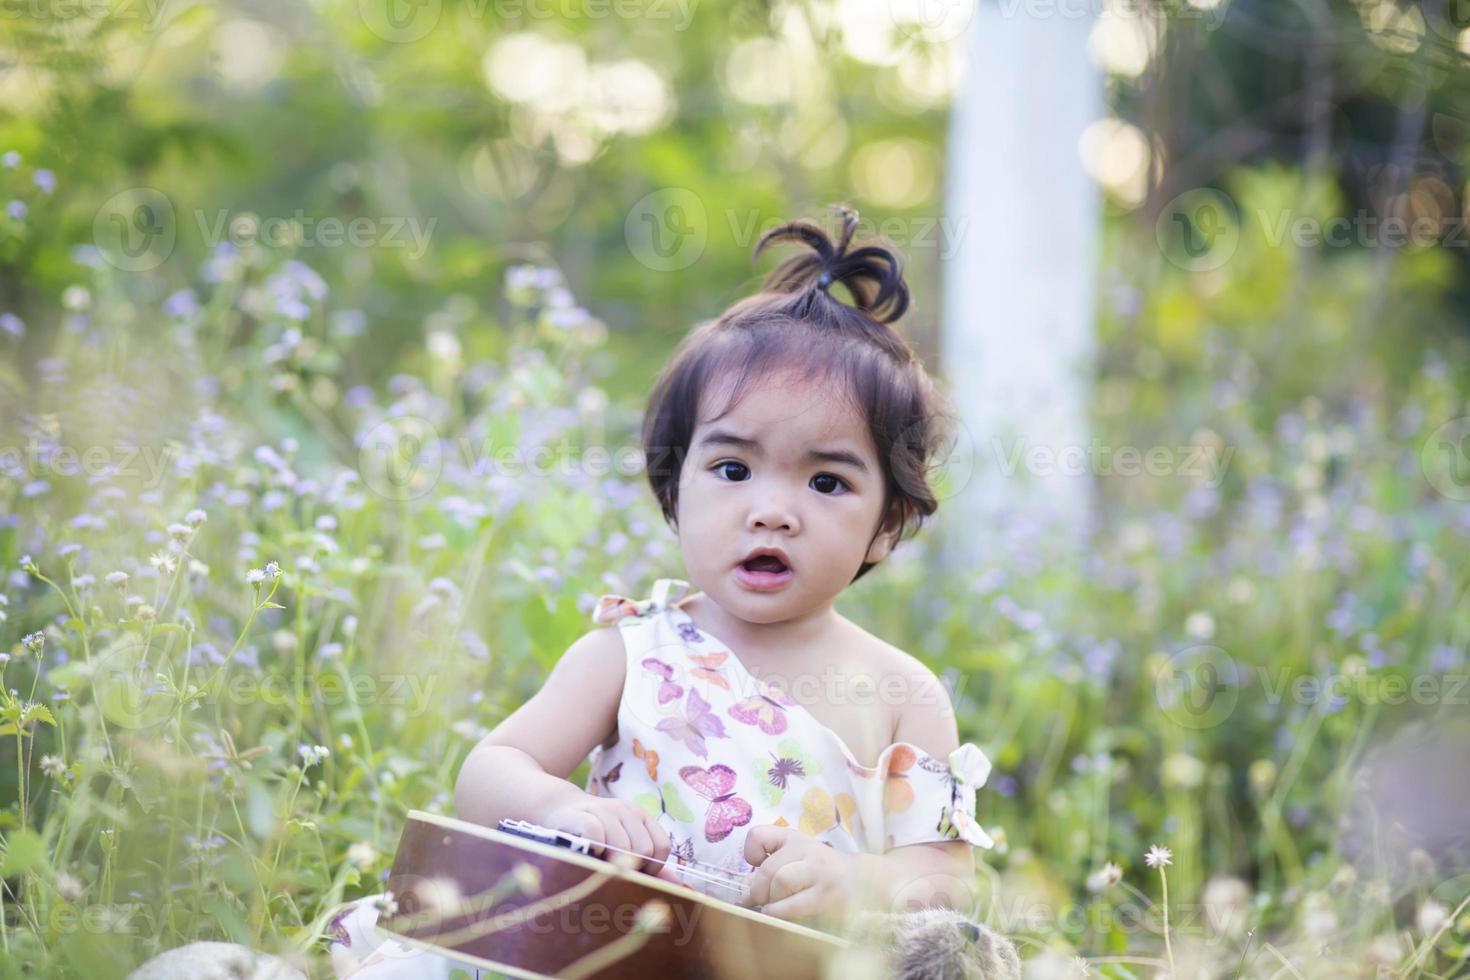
[42, 713]
[25, 851]
[260, 809]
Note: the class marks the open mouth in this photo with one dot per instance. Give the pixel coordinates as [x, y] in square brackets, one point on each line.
[765, 563]
[763, 573]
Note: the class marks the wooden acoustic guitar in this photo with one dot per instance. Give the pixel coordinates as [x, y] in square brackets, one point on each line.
[526, 901]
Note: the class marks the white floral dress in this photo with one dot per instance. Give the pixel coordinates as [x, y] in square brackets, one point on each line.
[711, 750]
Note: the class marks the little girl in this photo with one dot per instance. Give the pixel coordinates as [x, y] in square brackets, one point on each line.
[747, 739]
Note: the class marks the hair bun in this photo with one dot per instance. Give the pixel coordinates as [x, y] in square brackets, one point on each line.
[872, 273]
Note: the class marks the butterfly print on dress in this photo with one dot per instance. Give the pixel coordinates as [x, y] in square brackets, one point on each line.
[698, 723]
[765, 709]
[668, 690]
[726, 810]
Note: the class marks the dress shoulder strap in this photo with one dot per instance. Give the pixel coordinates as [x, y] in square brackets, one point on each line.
[612, 608]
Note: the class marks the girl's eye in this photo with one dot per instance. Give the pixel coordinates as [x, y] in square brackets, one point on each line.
[826, 477]
[720, 468]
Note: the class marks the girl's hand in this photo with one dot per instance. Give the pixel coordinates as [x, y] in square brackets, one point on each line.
[799, 876]
[619, 823]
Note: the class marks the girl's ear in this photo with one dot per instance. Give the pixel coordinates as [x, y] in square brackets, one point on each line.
[887, 535]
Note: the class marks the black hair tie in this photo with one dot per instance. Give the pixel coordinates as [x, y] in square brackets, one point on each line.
[825, 279]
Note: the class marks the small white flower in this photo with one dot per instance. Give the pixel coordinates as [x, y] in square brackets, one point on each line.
[195, 517]
[362, 854]
[69, 886]
[163, 561]
[272, 570]
[34, 642]
[197, 567]
[180, 532]
[52, 766]
[255, 576]
[133, 602]
[116, 579]
[386, 904]
[147, 613]
[312, 754]
[284, 641]
[1104, 878]
[1432, 917]
[1200, 625]
[1158, 857]
[28, 564]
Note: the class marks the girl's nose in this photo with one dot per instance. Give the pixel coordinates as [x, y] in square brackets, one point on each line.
[772, 516]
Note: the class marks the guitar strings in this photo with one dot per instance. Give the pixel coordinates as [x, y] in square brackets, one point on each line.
[710, 874]
[698, 870]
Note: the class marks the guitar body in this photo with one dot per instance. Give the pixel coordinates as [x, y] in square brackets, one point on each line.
[464, 890]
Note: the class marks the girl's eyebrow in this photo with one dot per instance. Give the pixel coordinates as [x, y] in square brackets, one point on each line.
[721, 437]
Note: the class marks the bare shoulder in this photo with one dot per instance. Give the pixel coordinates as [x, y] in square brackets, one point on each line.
[919, 704]
[601, 647]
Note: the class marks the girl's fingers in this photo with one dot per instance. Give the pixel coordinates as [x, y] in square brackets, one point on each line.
[616, 835]
[639, 840]
[791, 879]
[761, 880]
[804, 904]
[661, 843]
[583, 825]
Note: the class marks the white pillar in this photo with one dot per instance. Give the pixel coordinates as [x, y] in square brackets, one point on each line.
[1018, 332]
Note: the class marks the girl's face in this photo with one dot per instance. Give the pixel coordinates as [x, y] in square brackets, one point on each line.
[792, 466]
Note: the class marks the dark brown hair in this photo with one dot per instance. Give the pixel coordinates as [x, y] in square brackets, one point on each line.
[795, 322]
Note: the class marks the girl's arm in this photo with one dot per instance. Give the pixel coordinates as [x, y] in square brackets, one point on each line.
[941, 872]
[518, 771]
